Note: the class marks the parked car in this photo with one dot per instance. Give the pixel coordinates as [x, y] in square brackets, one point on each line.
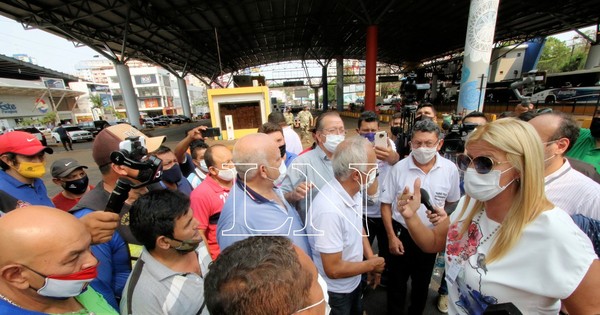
[93, 126]
[184, 118]
[149, 123]
[75, 133]
[174, 119]
[160, 122]
[34, 131]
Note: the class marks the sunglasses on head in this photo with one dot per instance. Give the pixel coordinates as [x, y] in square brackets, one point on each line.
[482, 164]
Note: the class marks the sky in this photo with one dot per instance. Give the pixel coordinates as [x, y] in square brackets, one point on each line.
[59, 54]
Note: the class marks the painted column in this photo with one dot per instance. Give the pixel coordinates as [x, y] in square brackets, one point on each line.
[131, 105]
[324, 86]
[339, 88]
[183, 95]
[478, 50]
[371, 68]
[593, 58]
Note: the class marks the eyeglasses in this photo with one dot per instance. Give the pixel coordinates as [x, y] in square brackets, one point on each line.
[334, 131]
[428, 144]
[482, 164]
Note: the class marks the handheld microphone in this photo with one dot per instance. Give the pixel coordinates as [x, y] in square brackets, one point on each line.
[425, 200]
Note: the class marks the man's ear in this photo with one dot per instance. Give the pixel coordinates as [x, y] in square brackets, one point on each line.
[439, 146]
[119, 169]
[12, 274]
[562, 144]
[57, 181]
[162, 242]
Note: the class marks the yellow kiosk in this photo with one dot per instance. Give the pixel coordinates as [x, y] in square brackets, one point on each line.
[239, 111]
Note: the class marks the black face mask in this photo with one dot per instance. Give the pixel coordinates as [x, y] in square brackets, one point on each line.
[172, 175]
[78, 186]
[396, 131]
[595, 127]
[282, 150]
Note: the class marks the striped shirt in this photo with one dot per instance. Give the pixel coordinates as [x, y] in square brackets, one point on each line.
[161, 290]
[573, 192]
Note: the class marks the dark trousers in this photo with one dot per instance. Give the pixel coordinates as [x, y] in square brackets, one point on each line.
[414, 264]
[65, 142]
[346, 303]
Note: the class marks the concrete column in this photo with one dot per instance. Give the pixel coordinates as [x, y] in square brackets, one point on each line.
[183, 95]
[316, 90]
[478, 50]
[371, 70]
[593, 58]
[131, 105]
[339, 88]
[324, 85]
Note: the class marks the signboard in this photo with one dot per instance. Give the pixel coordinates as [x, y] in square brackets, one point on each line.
[229, 127]
[54, 83]
[99, 88]
[301, 93]
[145, 79]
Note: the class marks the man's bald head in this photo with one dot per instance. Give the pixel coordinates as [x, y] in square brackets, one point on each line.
[36, 233]
[253, 149]
[555, 126]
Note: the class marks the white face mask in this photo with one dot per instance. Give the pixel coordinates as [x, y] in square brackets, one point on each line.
[203, 166]
[332, 141]
[227, 174]
[282, 172]
[423, 154]
[484, 187]
[371, 179]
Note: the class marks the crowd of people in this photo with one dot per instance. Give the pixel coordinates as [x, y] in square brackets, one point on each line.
[270, 227]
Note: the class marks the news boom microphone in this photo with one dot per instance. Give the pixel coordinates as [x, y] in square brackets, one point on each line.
[425, 200]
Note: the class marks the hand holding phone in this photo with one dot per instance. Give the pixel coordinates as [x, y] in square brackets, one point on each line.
[211, 132]
[381, 139]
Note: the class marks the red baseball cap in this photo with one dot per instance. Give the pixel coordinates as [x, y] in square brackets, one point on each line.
[21, 142]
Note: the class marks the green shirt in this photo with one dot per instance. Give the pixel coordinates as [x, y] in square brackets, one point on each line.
[93, 302]
[585, 149]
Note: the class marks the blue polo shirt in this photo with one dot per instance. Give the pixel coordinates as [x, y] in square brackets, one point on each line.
[261, 217]
[35, 194]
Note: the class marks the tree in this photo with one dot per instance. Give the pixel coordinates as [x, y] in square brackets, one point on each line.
[555, 55]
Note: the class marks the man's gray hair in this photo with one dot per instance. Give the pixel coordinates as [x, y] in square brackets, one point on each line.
[427, 125]
[347, 155]
[246, 164]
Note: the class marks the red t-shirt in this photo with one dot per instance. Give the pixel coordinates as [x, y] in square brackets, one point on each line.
[207, 200]
[63, 203]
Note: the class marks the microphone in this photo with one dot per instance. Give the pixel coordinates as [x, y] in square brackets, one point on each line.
[425, 200]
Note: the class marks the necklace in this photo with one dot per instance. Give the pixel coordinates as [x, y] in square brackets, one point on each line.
[487, 238]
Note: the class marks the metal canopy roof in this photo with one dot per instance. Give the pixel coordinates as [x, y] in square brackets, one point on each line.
[183, 34]
[16, 69]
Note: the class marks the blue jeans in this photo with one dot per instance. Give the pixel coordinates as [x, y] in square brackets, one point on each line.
[346, 303]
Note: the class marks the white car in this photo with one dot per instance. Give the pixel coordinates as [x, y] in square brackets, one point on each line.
[75, 133]
[149, 123]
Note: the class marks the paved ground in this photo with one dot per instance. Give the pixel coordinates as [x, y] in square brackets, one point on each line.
[374, 300]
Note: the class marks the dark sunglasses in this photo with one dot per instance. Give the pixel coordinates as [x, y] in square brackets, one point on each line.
[482, 164]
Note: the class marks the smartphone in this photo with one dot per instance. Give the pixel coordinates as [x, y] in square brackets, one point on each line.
[381, 139]
[211, 132]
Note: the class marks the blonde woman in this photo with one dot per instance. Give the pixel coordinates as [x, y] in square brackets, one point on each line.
[507, 243]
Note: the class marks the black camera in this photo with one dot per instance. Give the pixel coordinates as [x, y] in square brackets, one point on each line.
[133, 154]
[409, 88]
[454, 141]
